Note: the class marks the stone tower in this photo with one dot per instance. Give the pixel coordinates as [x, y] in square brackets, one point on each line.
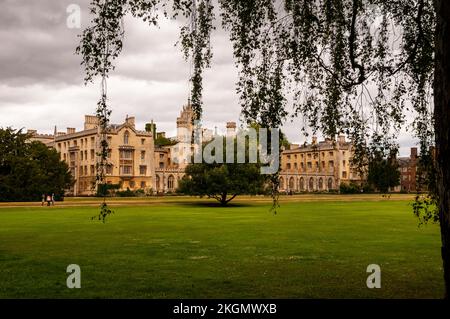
[184, 124]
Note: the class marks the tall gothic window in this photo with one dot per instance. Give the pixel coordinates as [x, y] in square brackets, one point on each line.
[170, 182]
[126, 137]
[291, 183]
[311, 184]
[157, 183]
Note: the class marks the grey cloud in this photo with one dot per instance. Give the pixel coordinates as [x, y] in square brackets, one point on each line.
[38, 46]
[41, 80]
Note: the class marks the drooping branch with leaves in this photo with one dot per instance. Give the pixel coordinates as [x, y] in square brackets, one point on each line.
[365, 68]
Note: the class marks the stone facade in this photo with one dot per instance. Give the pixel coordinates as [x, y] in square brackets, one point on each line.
[130, 156]
[137, 163]
[47, 139]
[170, 161]
[167, 173]
[319, 166]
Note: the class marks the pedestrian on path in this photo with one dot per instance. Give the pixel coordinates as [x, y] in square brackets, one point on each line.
[49, 200]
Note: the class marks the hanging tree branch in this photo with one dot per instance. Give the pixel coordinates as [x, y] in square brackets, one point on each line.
[310, 48]
[351, 42]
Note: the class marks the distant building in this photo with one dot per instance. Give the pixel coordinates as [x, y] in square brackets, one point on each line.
[130, 155]
[47, 139]
[319, 166]
[135, 161]
[171, 160]
[408, 172]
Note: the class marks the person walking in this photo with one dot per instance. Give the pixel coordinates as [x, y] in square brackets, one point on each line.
[43, 199]
[49, 200]
[53, 199]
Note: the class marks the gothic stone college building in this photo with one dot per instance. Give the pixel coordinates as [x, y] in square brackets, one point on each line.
[137, 163]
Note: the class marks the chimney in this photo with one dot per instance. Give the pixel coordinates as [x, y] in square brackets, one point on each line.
[90, 122]
[413, 152]
[314, 140]
[70, 130]
[130, 121]
[231, 128]
[341, 139]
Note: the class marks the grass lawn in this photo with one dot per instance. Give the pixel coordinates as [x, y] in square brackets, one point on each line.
[186, 249]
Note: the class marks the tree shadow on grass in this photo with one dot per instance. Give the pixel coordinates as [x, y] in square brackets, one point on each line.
[212, 203]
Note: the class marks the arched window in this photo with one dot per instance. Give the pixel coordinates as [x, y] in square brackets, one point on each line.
[281, 183]
[291, 183]
[320, 183]
[126, 137]
[330, 183]
[157, 183]
[170, 182]
[311, 184]
[302, 184]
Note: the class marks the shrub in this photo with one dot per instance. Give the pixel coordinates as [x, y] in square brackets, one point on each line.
[350, 188]
[126, 193]
[107, 189]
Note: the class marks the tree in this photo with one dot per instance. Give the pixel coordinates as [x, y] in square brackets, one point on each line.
[284, 142]
[223, 180]
[164, 141]
[344, 66]
[27, 170]
[151, 127]
[349, 188]
[104, 190]
[441, 90]
[383, 174]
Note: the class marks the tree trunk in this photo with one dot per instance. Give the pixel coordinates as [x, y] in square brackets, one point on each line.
[223, 199]
[442, 128]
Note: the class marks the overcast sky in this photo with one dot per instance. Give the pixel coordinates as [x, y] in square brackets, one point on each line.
[41, 80]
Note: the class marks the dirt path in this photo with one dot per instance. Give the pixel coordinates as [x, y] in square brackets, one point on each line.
[173, 200]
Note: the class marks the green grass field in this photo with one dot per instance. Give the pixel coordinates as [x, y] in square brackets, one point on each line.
[186, 249]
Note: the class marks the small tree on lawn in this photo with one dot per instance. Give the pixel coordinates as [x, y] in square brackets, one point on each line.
[223, 181]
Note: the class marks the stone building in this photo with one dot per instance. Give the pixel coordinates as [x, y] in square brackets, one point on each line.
[135, 161]
[47, 139]
[319, 166]
[408, 171]
[167, 173]
[130, 155]
[172, 160]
